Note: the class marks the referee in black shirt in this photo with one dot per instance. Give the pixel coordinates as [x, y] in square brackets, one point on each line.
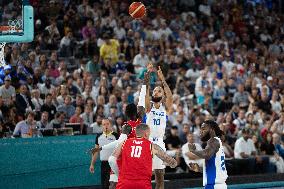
[106, 137]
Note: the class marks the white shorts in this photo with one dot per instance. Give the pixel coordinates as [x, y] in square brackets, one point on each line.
[113, 178]
[157, 162]
[216, 186]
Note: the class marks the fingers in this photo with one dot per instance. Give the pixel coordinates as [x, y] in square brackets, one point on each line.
[92, 170]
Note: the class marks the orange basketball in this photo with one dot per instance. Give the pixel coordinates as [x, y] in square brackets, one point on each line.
[137, 10]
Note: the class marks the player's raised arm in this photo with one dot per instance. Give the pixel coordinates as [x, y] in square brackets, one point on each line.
[147, 97]
[211, 149]
[168, 92]
[113, 158]
[156, 150]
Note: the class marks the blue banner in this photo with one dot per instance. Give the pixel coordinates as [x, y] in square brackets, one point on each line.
[47, 162]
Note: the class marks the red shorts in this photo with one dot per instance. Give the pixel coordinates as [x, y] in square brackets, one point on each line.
[134, 184]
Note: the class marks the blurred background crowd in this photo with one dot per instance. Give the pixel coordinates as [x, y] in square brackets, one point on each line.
[222, 60]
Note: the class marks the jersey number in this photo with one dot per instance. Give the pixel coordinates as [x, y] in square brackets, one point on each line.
[157, 121]
[136, 151]
[223, 163]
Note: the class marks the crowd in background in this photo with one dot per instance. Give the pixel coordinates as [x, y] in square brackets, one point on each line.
[222, 60]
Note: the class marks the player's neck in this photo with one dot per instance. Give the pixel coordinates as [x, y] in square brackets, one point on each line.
[157, 105]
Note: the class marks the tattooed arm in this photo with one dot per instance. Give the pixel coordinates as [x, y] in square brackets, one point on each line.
[156, 150]
[211, 149]
[168, 92]
[147, 97]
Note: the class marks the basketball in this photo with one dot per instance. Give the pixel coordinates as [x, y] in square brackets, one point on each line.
[137, 10]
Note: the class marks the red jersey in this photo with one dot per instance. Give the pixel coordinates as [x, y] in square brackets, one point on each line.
[137, 160]
[133, 124]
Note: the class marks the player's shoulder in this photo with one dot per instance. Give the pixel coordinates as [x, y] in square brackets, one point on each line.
[214, 142]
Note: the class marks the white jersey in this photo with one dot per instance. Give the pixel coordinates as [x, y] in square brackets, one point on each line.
[157, 121]
[214, 170]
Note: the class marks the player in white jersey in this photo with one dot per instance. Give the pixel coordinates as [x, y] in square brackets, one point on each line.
[214, 170]
[156, 118]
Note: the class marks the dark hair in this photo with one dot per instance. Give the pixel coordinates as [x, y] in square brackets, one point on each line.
[32, 113]
[215, 127]
[131, 111]
[48, 94]
[141, 128]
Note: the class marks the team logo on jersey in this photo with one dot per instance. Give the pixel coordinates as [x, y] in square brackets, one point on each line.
[158, 113]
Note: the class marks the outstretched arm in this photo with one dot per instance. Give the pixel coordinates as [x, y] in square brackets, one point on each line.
[113, 158]
[147, 96]
[156, 150]
[168, 92]
[211, 148]
[125, 131]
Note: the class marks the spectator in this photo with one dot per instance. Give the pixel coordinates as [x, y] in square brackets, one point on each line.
[188, 156]
[79, 102]
[140, 61]
[58, 121]
[93, 67]
[278, 144]
[264, 103]
[109, 52]
[76, 118]
[97, 125]
[67, 107]
[67, 44]
[173, 145]
[184, 133]
[241, 98]
[275, 103]
[23, 101]
[268, 148]
[244, 147]
[229, 152]
[278, 125]
[44, 121]
[240, 122]
[48, 107]
[73, 91]
[63, 91]
[7, 92]
[24, 128]
[88, 116]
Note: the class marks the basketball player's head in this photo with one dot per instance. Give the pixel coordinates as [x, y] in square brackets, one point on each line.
[143, 130]
[158, 94]
[209, 129]
[106, 125]
[131, 111]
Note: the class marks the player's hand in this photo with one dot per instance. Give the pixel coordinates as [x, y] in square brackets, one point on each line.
[126, 129]
[194, 167]
[92, 169]
[147, 77]
[191, 147]
[160, 74]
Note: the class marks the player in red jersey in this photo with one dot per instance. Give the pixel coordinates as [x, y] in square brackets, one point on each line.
[136, 157]
[134, 116]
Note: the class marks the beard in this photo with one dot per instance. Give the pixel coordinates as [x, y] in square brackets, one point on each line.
[206, 137]
[156, 99]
